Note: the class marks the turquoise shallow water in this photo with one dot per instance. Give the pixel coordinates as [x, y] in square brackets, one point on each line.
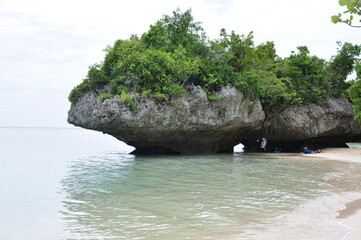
[78, 184]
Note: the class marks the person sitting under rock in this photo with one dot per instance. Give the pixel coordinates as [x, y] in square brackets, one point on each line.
[277, 150]
[306, 150]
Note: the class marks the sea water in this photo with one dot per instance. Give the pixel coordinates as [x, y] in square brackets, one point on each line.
[79, 184]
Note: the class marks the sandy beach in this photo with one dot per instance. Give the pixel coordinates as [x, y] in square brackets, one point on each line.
[339, 154]
[351, 215]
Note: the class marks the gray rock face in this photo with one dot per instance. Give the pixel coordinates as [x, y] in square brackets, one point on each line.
[194, 124]
[316, 126]
[333, 118]
[187, 125]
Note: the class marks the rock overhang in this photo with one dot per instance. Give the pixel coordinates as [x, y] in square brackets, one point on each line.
[194, 124]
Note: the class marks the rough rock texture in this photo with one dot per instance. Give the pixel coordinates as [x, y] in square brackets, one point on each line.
[190, 124]
[328, 125]
[194, 124]
[333, 118]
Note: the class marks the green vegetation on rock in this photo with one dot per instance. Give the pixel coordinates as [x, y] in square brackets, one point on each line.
[355, 92]
[176, 53]
[352, 14]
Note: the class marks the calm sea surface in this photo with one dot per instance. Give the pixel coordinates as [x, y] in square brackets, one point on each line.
[58, 184]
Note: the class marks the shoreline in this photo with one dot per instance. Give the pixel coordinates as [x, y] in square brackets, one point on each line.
[352, 219]
[339, 154]
[351, 215]
[332, 154]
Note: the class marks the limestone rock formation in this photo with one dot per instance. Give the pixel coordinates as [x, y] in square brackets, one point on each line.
[193, 124]
[330, 124]
[189, 124]
[333, 118]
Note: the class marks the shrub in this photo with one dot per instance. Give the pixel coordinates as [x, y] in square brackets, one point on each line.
[104, 96]
[78, 91]
[175, 52]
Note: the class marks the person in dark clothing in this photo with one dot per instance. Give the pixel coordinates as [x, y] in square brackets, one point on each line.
[306, 150]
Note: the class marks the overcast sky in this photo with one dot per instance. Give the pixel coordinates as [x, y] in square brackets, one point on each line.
[47, 46]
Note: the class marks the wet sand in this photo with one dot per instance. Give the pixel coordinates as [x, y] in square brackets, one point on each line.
[337, 154]
[340, 154]
[352, 213]
[352, 216]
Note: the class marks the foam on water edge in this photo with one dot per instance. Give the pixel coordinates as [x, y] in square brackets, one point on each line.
[315, 219]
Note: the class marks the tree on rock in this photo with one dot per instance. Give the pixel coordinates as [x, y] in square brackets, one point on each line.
[355, 92]
[175, 54]
[353, 10]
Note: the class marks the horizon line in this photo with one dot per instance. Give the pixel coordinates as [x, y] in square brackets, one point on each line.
[71, 127]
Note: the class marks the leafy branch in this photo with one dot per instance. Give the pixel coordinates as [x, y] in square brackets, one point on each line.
[353, 10]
